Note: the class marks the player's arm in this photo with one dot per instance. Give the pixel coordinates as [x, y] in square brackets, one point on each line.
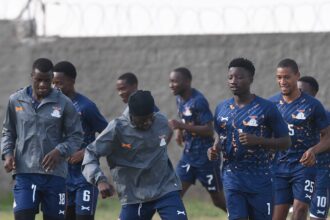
[8, 139]
[97, 122]
[281, 143]
[201, 130]
[91, 168]
[280, 139]
[213, 152]
[308, 158]
[322, 122]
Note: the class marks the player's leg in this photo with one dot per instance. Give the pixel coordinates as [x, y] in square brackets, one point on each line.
[170, 206]
[53, 198]
[186, 175]
[26, 197]
[141, 211]
[237, 205]
[283, 197]
[70, 209]
[320, 199]
[261, 205]
[210, 178]
[86, 201]
[303, 185]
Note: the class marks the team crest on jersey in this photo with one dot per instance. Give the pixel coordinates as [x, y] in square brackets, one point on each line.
[281, 102]
[187, 112]
[300, 115]
[56, 112]
[162, 140]
[252, 122]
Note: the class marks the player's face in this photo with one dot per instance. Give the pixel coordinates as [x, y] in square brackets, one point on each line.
[41, 83]
[125, 90]
[287, 80]
[239, 80]
[142, 122]
[306, 87]
[63, 82]
[178, 84]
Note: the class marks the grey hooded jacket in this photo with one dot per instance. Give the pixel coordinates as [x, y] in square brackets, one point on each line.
[29, 133]
[140, 167]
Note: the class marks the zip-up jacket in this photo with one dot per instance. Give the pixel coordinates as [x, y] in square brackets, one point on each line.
[140, 167]
[30, 133]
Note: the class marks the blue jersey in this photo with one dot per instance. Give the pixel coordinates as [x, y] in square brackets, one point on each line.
[195, 111]
[92, 122]
[323, 159]
[259, 117]
[305, 117]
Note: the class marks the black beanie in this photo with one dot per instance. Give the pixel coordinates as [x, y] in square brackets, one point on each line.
[141, 103]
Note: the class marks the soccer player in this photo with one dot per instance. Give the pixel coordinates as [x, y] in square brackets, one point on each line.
[249, 129]
[126, 85]
[320, 199]
[195, 132]
[136, 148]
[294, 170]
[40, 131]
[81, 195]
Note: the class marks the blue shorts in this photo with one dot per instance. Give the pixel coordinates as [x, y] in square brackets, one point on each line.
[169, 206]
[298, 184]
[30, 190]
[84, 198]
[208, 176]
[257, 206]
[320, 200]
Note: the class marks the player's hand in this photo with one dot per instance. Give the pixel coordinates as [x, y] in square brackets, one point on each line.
[105, 189]
[51, 160]
[9, 163]
[248, 139]
[175, 124]
[308, 158]
[213, 153]
[77, 157]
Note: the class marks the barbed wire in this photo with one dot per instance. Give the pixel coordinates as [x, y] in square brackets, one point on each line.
[63, 18]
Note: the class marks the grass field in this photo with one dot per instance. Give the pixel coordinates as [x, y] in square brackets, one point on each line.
[109, 209]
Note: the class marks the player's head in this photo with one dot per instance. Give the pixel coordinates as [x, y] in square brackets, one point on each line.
[309, 85]
[42, 75]
[287, 75]
[126, 84]
[64, 77]
[240, 75]
[180, 80]
[141, 109]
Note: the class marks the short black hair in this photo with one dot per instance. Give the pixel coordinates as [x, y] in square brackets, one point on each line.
[185, 72]
[311, 81]
[288, 63]
[66, 68]
[243, 63]
[43, 64]
[129, 78]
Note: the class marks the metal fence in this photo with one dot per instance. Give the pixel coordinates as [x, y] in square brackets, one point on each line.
[126, 18]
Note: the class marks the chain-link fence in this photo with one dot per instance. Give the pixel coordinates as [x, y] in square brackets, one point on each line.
[145, 17]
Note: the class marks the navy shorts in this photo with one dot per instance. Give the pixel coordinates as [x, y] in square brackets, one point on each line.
[84, 198]
[248, 196]
[320, 199]
[169, 206]
[31, 190]
[208, 176]
[298, 184]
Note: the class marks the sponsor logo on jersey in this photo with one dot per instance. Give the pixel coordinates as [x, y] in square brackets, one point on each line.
[252, 122]
[300, 115]
[18, 108]
[128, 146]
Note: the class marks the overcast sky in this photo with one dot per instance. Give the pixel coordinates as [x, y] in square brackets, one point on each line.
[168, 17]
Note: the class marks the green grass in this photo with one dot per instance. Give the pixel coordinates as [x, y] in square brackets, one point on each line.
[108, 209]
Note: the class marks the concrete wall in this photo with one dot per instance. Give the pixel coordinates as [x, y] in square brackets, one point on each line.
[101, 60]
